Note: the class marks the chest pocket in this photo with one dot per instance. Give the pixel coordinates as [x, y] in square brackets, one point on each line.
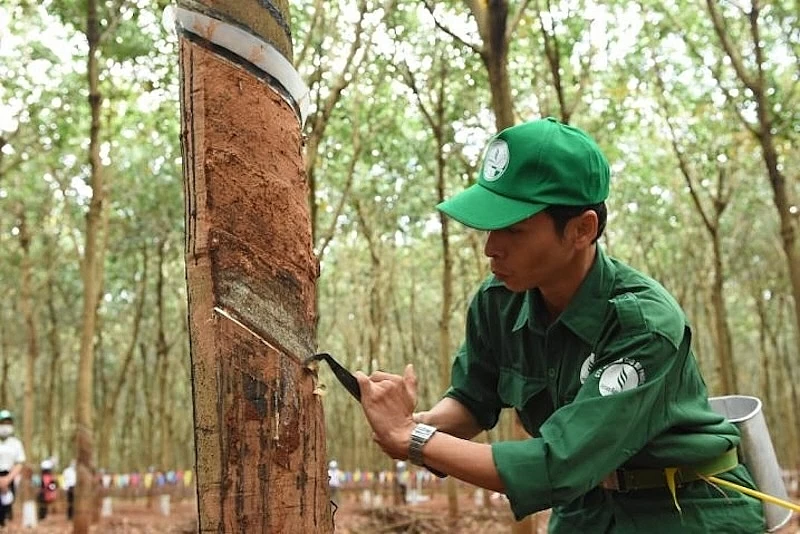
[528, 395]
[516, 390]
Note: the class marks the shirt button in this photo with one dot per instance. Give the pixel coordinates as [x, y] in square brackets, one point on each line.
[551, 372]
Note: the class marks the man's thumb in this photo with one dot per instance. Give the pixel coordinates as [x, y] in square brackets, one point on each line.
[362, 379]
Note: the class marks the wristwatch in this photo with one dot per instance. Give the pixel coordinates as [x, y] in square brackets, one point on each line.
[419, 437]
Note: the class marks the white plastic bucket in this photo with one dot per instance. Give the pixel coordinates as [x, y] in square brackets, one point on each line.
[756, 452]
[106, 507]
[164, 504]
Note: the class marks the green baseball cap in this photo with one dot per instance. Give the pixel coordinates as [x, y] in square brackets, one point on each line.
[527, 168]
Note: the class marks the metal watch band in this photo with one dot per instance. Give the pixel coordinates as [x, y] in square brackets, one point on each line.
[419, 437]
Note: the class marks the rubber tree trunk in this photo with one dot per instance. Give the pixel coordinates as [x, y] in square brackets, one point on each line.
[92, 277]
[251, 275]
[25, 491]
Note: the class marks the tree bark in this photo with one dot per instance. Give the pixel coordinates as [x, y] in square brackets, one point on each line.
[28, 317]
[91, 274]
[51, 410]
[5, 362]
[492, 19]
[251, 274]
[162, 363]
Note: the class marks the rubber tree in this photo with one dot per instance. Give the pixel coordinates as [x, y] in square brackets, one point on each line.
[250, 272]
[92, 277]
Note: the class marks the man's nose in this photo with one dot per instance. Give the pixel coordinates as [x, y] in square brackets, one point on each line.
[492, 247]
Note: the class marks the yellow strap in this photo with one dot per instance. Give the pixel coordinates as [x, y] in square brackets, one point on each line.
[753, 493]
[669, 474]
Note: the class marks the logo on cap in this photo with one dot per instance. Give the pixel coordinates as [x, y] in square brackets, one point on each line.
[496, 160]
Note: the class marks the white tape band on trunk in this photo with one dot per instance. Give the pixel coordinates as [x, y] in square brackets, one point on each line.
[250, 48]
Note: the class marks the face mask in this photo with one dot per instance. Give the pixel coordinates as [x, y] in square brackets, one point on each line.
[6, 430]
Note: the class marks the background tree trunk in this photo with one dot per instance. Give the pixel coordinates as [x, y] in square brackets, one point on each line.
[92, 275]
[28, 316]
[51, 410]
[251, 277]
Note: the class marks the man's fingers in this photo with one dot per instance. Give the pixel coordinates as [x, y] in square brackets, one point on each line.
[410, 380]
[379, 376]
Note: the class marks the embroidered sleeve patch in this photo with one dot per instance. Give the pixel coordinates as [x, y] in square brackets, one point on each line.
[620, 375]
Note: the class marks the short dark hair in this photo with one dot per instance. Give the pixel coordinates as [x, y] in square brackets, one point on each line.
[561, 215]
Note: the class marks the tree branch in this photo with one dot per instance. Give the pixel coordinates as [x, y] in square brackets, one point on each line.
[411, 83]
[682, 163]
[114, 18]
[512, 27]
[716, 72]
[725, 40]
[478, 50]
[351, 171]
[304, 47]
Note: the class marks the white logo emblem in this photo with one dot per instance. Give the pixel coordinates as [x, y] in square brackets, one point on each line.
[496, 160]
[587, 366]
[621, 375]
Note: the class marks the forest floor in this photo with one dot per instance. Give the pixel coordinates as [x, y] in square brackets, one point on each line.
[428, 517]
[129, 517]
[351, 517]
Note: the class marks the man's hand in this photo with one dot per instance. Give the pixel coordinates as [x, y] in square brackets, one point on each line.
[5, 481]
[388, 401]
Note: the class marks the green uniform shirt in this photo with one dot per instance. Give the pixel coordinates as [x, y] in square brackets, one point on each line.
[611, 383]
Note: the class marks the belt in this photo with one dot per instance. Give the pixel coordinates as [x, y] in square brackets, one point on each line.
[623, 480]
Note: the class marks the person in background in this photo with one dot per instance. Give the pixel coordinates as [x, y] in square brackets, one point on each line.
[70, 479]
[12, 457]
[48, 491]
[401, 477]
[334, 480]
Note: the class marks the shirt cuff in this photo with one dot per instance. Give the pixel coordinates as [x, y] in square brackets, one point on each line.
[522, 467]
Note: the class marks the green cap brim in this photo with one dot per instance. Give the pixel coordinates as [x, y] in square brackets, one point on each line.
[482, 209]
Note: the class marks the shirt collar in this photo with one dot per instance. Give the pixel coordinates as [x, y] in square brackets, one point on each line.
[586, 311]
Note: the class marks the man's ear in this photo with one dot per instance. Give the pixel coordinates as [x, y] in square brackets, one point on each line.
[584, 228]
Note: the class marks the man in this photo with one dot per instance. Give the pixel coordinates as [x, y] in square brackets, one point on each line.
[334, 480]
[401, 478]
[48, 491]
[595, 357]
[70, 480]
[12, 458]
